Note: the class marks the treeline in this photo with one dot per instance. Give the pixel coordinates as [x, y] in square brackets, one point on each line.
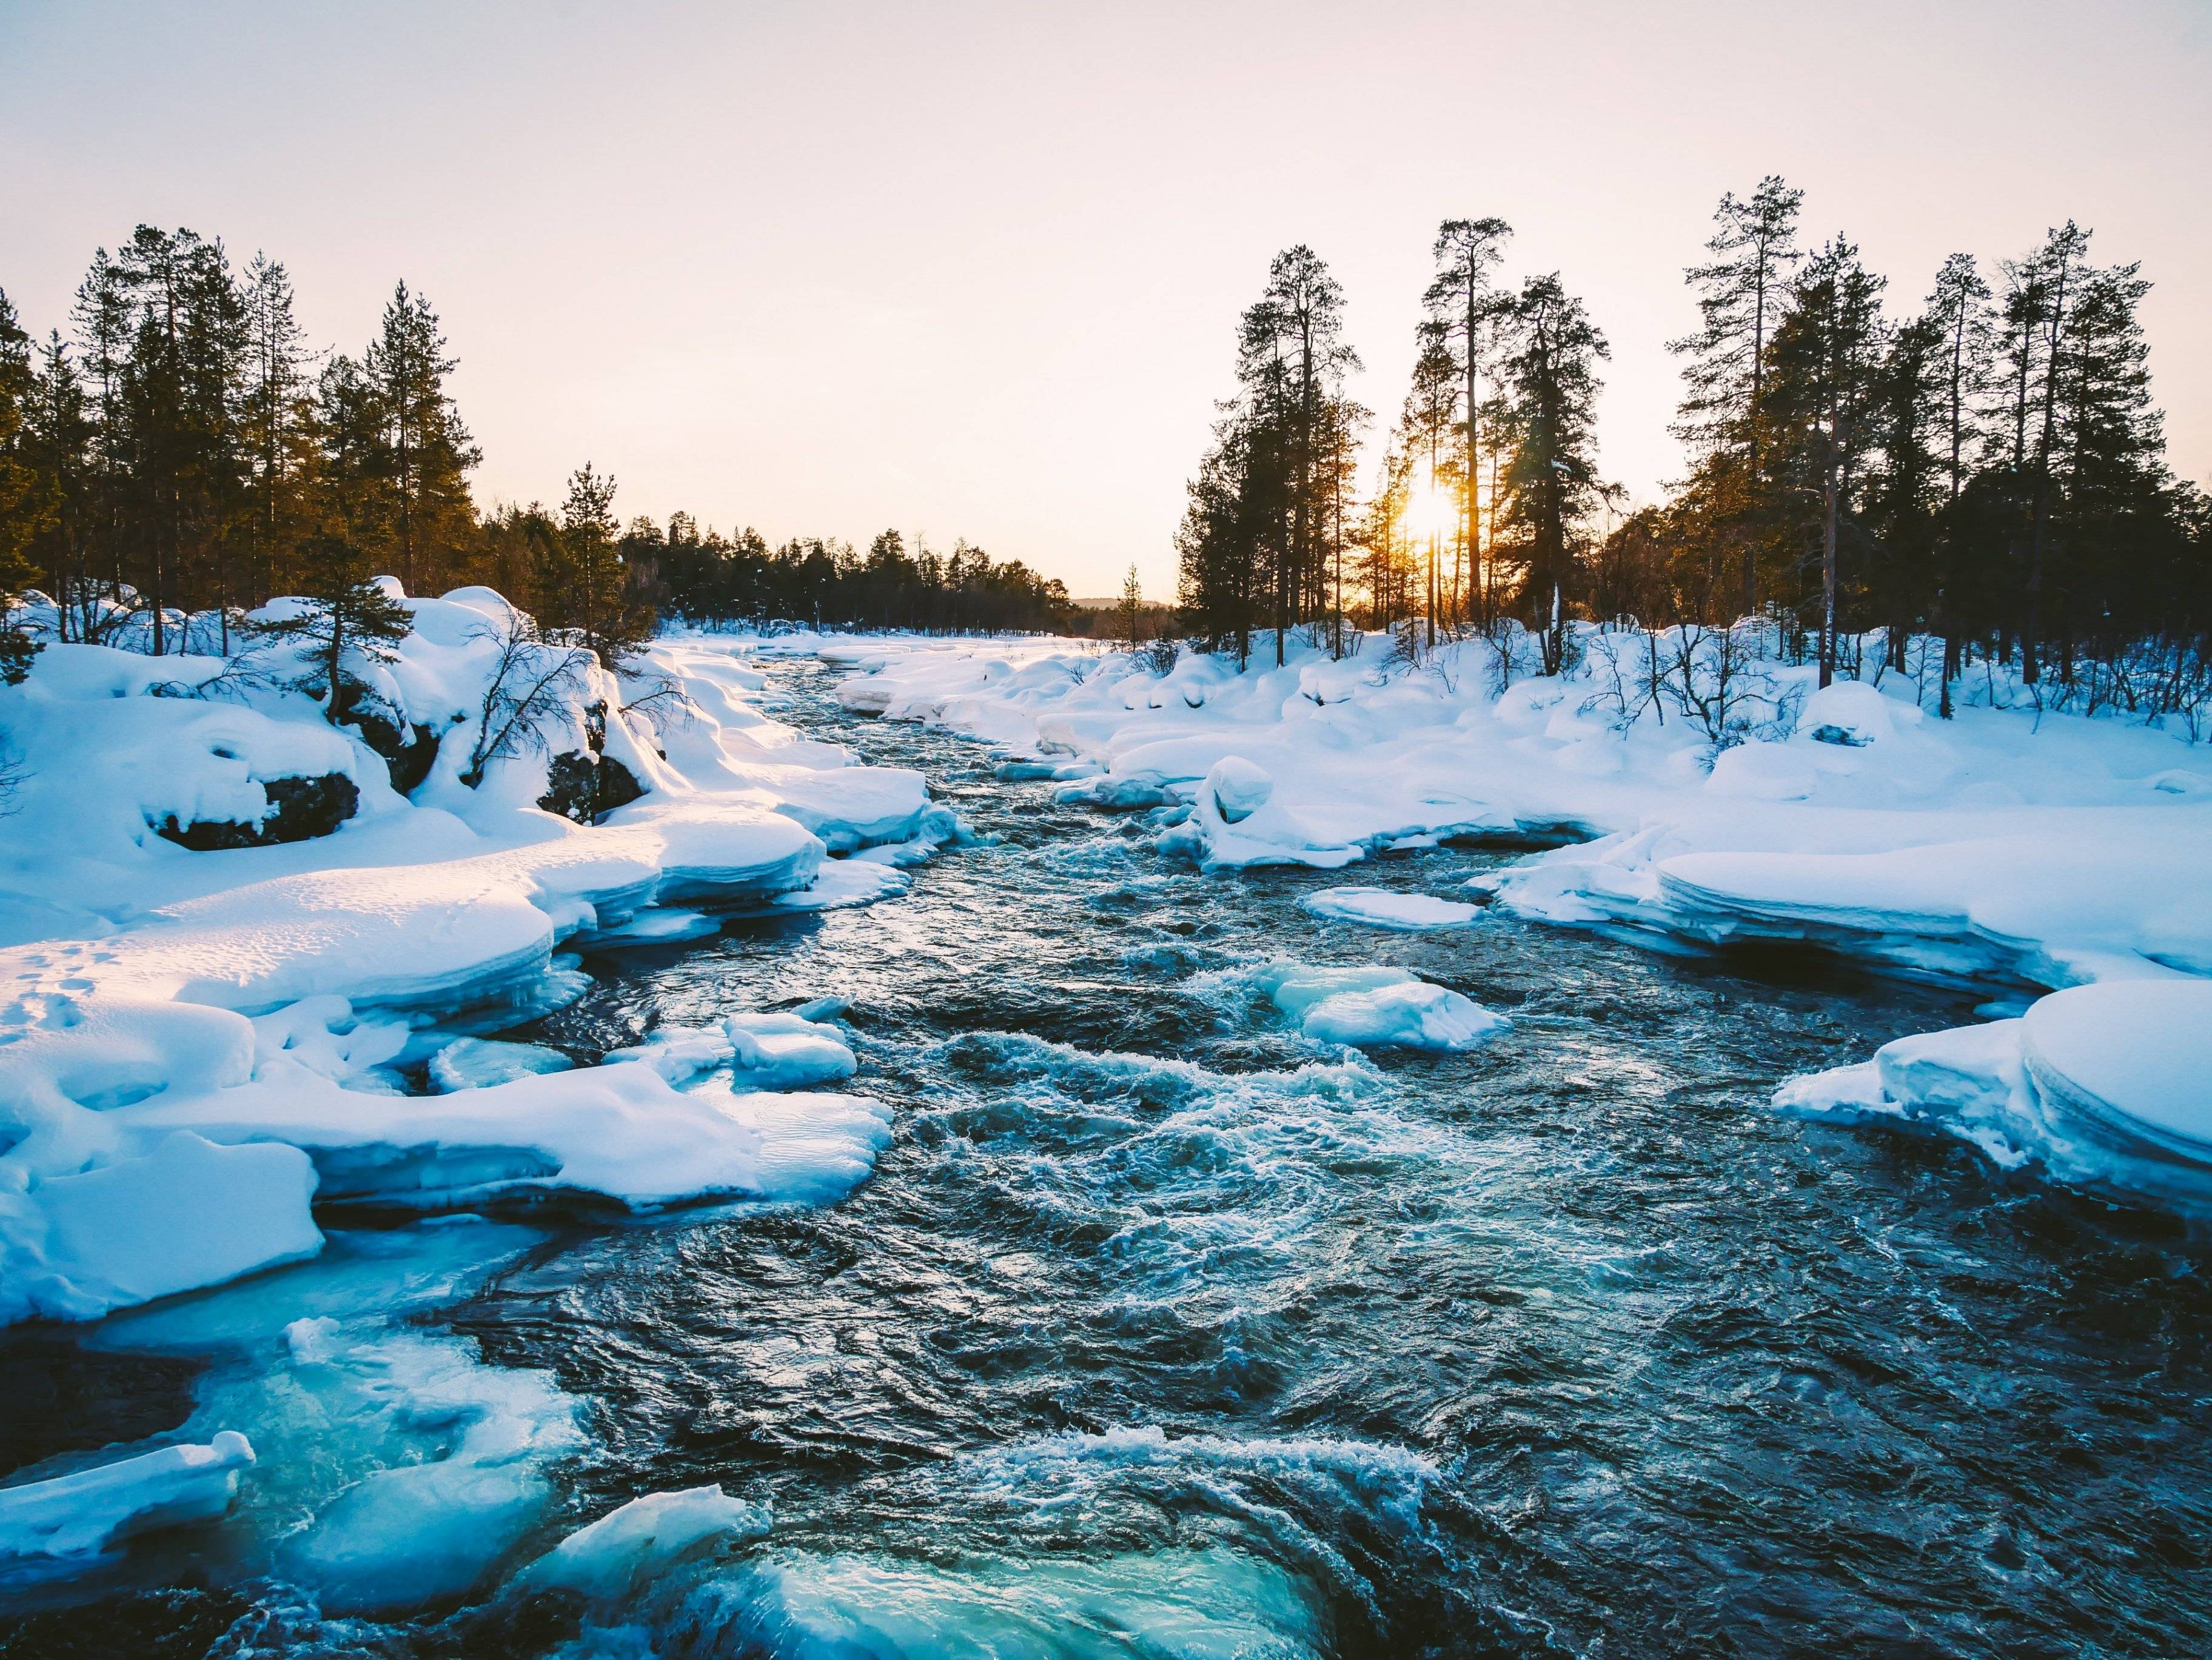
[1987, 467]
[181, 451]
[716, 581]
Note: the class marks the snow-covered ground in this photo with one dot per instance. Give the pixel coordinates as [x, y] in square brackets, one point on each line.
[196, 1044]
[2021, 850]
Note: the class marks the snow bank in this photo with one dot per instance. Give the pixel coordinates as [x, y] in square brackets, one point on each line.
[2101, 1087]
[193, 1045]
[2006, 844]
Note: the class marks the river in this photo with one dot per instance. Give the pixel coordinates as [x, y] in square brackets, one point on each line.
[1165, 1330]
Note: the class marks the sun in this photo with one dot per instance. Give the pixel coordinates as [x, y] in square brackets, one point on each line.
[1430, 511]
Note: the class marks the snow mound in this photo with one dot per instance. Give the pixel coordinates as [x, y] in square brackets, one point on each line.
[186, 1213]
[2135, 1054]
[2099, 1087]
[1763, 772]
[1851, 712]
[1380, 908]
[1238, 788]
[83, 1514]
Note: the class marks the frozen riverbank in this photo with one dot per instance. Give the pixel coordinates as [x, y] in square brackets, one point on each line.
[2008, 849]
[198, 1043]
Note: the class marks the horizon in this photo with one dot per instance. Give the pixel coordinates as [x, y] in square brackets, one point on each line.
[1002, 307]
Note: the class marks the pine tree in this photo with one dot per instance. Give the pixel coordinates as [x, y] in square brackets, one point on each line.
[57, 448]
[342, 609]
[601, 611]
[277, 428]
[176, 440]
[1131, 608]
[1426, 432]
[19, 507]
[1722, 417]
[1827, 354]
[1552, 350]
[427, 451]
[1293, 362]
[101, 318]
[1465, 310]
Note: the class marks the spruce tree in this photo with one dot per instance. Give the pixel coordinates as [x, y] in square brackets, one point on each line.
[1550, 367]
[1721, 419]
[343, 609]
[19, 504]
[277, 427]
[427, 450]
[57, 448]
[602, 612]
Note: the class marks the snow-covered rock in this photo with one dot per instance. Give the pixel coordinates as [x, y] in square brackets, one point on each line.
[1237, 788]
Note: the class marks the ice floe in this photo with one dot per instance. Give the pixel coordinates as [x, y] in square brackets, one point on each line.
[82, 1515]
[1384, 908]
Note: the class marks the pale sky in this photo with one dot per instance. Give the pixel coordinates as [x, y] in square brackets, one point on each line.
[973, 269]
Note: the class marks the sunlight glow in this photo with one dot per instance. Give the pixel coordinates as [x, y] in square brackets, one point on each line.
[1430, 511]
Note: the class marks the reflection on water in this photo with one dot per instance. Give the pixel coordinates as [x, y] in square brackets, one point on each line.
[1163, 1330]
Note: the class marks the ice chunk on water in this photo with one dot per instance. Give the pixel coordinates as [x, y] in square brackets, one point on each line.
[655, 926]
[470, 1063]
[81, 1515]
[615, 1557]
[842, 882]
[456, 1452]
[1376, 1007]
[1211, 1603]
[1294, 988]
[1417, 1015]
[786, 1052]
[1380, 908]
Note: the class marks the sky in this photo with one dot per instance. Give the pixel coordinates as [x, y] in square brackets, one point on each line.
[974, 269]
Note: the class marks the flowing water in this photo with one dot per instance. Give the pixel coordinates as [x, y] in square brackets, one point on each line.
[1161, 1330]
